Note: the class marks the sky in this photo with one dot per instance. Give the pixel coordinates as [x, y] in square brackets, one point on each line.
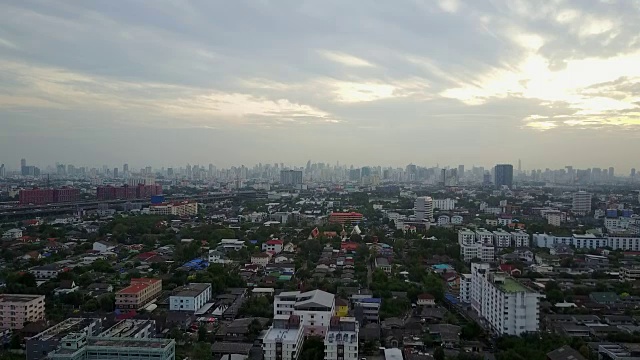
[171, 82]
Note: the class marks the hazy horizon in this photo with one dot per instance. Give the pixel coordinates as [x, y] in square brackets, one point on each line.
[242, 82]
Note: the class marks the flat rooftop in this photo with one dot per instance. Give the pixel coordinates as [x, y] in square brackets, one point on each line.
[286, 335]
[127, 328]
[126, 344]
[191, 290]
[512, 286]
[61, 330]
[19, 297]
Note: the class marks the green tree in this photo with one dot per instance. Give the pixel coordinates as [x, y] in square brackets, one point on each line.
[438, 354]
[202, 333]
[313, 349]
[202, 350]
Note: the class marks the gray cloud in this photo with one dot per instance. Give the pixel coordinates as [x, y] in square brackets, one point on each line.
[363, 82]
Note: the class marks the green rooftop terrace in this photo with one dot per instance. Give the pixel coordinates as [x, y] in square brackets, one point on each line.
[512, 286]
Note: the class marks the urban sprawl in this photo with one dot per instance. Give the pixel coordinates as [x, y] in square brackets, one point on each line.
[323, 261]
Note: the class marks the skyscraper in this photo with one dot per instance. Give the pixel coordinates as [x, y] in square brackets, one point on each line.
[23, 163]
[460, 171]
[633, 173]
[581, 203]
[290, 177]
[611, 174]
[3, 171]
[503, 175]
[125, 168]
[423, 208]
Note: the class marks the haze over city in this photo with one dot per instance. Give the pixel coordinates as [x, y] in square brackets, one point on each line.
[389, 83]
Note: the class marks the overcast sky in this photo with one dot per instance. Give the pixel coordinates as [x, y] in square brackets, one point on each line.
[170, 82]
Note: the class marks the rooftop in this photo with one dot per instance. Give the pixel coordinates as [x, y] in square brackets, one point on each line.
[191, 290]
[128, 328]
[512, 286]
[60, 330]
[19, 297]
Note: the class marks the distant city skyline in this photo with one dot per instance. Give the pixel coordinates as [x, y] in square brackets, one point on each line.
[447, 81]
[126, 167]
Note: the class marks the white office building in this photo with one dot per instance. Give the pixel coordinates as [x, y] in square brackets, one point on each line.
[508, 306]
[501, 238]
[520, 239]
[423, 208]
[444, 204]
[283, 340]
[581, 203]
[341, 340]
[190, 297]
[315, 309]
[457, 220]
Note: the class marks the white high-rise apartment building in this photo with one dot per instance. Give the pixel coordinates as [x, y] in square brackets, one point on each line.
[283, 340]
[18, 309]
[501, 238]
[508, 306]
[341, 340]
[315, 309]
[476, 245]
[581, 203]
[465, 288]
[484, 236]
[423, 208]
[444, 204]
[520, 239]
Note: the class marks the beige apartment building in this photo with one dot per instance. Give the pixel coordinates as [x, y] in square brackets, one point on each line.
[138, 294]
[17, 309]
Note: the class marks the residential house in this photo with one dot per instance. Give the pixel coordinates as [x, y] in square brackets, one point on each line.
[66, 287]
[217, 257]
[103, 246]
[274, 246]
[46, 272]
[383, 264]
[261, 259]
[426, 300]
[12, 234]
[565, 352]
[96, 289]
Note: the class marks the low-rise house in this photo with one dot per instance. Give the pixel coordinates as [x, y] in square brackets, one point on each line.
[32, 255]
[261, 259]
[383, 264]
[565, 352]
[616, 320]
[446, 334]
[426, 300]
[12, 234]
[604, 298]
[103, 246]
[217, 257]
[66, 287]
[96, 289]
[274, 245]
[46, 272]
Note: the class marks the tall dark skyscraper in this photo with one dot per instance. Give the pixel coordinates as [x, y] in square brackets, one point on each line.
[290, 177]
[503, 175]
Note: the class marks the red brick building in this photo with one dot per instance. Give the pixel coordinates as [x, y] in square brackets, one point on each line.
[48, 196]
